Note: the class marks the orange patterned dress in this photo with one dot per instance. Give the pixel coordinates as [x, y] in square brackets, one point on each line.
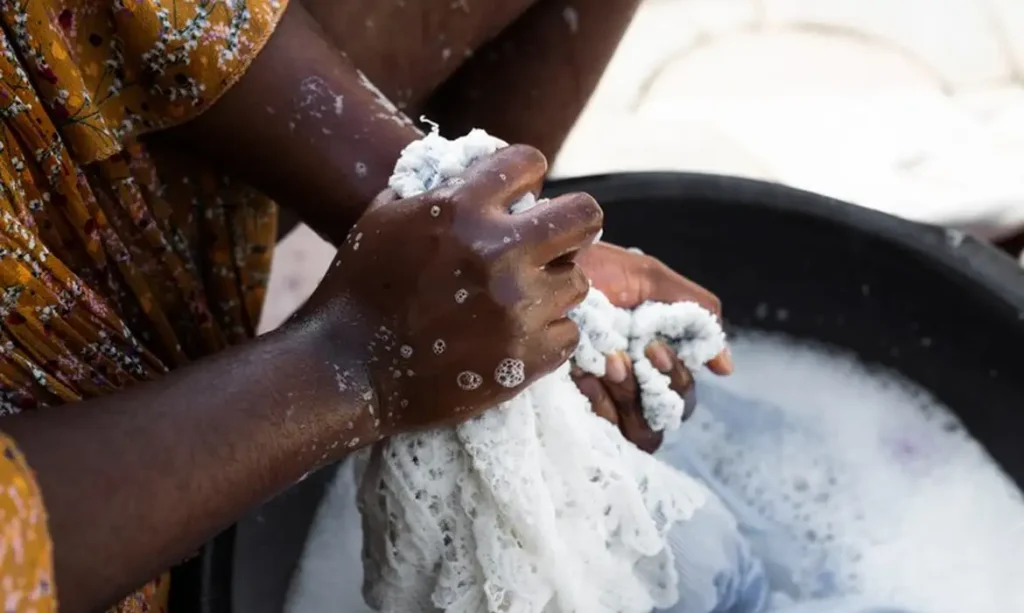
[117, 263]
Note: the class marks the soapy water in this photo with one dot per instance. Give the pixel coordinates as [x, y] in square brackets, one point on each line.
[851, 481]
[858, 491]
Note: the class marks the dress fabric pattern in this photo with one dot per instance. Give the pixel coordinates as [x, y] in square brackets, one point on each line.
[117, 262]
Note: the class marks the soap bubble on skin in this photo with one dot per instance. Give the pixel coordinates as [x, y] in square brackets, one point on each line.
[469, 380]
[510, 373]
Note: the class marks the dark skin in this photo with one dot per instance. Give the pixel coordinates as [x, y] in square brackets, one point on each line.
[268, 412]
[466, 63]
[481, 299]
[630, 279]
[249, 422]
[553, 51]
[515, 45]
[514, 42]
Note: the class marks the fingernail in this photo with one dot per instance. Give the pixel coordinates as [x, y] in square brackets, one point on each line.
[726, 361]
[615, 370]
[662, 357]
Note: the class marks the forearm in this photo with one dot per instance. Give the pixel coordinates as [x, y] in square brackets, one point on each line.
[136, 481]
[530, 84]
[305, 127]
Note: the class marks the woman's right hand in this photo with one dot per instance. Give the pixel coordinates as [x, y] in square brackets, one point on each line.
[457, 305]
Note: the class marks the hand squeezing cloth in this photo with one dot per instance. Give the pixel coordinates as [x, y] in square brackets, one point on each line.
[538, 505]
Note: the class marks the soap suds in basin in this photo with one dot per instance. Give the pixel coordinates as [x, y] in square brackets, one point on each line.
[867, 484]
[849, 481]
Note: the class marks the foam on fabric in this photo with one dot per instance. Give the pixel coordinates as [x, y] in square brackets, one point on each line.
[538, 505]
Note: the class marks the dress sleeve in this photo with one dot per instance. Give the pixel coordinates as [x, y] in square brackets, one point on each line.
[26, 553]
[109, 70]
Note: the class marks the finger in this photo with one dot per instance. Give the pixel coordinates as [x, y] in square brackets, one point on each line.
[617, 368]
[556, 228]
[722, 363]
[684, 385]
[562, 336]
[548, 347]
[662, 357]
[498, 180]
[667, 285]
[567, 286]
[601, 403]
[680, 378]
[626, 396]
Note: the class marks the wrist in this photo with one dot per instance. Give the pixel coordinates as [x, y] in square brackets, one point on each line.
[343, 403]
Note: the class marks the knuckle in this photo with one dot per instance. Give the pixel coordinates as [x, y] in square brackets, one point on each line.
[579, 284]
[573, 336]
[589, 211]
[582, 207]
[516, 329]
[568, 341]
[496, 260]
[591, 207]
[527, 155]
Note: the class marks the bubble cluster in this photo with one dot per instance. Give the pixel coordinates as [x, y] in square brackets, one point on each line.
[510, 373]
[469, 380]
[461, 295]
[439, 346]
[405, 351]
[870, 486]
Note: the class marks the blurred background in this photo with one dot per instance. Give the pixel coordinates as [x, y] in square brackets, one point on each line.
[912, 107]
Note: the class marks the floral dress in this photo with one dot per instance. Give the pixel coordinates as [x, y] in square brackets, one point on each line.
[117, 263]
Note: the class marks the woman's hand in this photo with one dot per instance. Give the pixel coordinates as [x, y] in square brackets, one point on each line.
[458, 304]
[630, 279]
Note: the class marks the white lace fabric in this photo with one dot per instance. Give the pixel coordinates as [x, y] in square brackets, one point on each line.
[538, 505]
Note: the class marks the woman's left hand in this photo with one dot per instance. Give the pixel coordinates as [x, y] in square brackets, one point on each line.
[629, 279]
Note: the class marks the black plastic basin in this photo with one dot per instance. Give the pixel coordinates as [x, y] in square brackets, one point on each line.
[846, 275]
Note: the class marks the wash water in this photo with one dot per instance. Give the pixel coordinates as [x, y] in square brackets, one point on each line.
[857, 480]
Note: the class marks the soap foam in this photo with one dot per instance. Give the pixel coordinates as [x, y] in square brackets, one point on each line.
[874, 486]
